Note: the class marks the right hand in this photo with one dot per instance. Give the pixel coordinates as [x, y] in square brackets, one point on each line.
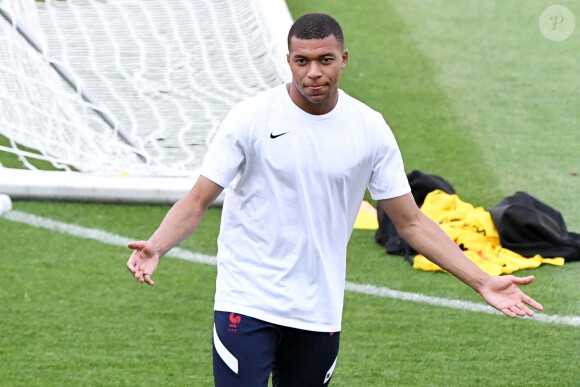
[143, 261]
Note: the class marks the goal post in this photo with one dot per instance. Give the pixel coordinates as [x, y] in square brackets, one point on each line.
[117, 101]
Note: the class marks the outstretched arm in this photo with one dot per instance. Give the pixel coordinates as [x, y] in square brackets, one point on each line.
[181, 220]
[426, 237]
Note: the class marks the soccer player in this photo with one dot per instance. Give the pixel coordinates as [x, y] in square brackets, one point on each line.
[296, 161]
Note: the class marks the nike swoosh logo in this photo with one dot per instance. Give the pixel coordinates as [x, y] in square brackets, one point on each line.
[272, 135]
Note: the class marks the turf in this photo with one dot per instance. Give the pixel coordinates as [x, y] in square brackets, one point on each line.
[473, 92]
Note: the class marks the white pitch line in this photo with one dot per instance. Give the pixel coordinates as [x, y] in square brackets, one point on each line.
[98, 235]
[179, 253]
[455, 304]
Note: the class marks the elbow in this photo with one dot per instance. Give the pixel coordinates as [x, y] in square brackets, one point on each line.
[410, 228]
[407, 231]
[195, 206]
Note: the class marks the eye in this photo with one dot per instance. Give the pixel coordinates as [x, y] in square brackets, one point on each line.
[327, 60]
[300, 61]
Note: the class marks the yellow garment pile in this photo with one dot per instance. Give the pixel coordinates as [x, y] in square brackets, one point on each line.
[367, 217]
[474, 231]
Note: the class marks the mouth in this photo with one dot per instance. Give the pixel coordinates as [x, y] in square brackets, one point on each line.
[315, 87]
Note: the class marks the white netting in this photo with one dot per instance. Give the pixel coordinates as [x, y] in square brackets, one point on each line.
[163, 72]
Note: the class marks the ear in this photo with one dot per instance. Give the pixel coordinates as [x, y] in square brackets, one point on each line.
[344, 58]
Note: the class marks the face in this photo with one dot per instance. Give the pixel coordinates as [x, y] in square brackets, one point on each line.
[316, 65]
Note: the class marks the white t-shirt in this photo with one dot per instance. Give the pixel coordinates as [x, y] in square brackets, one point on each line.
[294, 184]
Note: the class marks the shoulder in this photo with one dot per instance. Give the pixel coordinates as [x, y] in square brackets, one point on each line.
[369, 122]
[250, 114]
[363, 117]
[360, 110]
[260, 101]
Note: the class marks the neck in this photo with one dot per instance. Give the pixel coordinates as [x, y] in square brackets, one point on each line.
[310, 107]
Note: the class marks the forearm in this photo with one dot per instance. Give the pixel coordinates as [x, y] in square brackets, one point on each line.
[185, 215]
[427, 238]
[178, 224]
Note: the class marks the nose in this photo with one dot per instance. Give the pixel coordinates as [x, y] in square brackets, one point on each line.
[314, 70]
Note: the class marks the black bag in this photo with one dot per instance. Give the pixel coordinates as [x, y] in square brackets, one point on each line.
[421, 184]
[529, 227]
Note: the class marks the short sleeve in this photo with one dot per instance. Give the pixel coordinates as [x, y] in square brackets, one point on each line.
[226, 154]
[388, 178]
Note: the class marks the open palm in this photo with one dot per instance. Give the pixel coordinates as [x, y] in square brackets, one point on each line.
[504, 294]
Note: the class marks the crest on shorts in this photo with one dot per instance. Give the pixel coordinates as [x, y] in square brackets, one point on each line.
[234, 321]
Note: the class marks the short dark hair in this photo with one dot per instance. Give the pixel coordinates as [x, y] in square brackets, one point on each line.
[315, 26]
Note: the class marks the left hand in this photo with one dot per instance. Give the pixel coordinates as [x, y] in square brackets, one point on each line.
[504, 294]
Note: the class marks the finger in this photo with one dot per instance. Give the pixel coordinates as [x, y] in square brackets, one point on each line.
[508, 312]
[517, 311]
[138, 275]
[136, 245]
[131, 265]
[527, 310]
[533, 303]
[523, 280]
[133, 262]
[520, 309]
[148, 280]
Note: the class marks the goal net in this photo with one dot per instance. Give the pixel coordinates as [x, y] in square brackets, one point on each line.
[117, 100]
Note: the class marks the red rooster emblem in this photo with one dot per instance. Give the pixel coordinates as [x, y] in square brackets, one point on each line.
[234, 321]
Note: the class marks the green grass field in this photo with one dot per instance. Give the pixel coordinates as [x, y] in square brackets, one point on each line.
[472, 91]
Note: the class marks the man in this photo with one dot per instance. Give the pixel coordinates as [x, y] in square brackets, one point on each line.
[296, 161]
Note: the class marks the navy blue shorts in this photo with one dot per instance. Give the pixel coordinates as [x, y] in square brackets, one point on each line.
[247, 350]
